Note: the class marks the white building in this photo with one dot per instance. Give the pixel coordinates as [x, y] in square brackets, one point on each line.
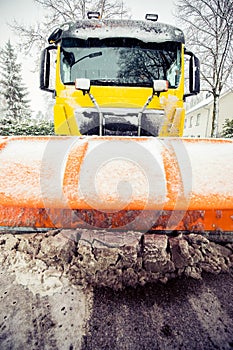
[198, 119]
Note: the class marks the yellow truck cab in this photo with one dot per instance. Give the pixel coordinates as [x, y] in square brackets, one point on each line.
[119, 77]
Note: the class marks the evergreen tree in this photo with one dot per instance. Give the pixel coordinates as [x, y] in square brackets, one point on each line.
[228, 129]
[13, 92]
[15, 113]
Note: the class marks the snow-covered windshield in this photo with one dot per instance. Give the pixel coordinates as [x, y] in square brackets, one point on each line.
[120, 61]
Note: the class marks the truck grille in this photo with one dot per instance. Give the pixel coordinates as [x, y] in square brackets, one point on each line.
[119, 121]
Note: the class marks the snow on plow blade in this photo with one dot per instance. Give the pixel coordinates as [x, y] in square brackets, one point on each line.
[116, 182]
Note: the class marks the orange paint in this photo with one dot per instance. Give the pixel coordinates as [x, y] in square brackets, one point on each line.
[39, 190]
[193, 221]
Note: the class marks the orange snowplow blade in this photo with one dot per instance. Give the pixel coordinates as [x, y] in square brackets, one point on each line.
[116, 182]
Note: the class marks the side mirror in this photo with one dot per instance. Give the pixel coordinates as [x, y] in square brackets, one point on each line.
[194, 74]
[45, 69]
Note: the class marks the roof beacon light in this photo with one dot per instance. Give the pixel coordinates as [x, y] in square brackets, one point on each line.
[91, 15]
[152, 17]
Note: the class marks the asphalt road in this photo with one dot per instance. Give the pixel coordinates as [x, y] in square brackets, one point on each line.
[183, 314]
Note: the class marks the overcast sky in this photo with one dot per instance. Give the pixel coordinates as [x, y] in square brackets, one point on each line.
[164, 8]
[26, 11]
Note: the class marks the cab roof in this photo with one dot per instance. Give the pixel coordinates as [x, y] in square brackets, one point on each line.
[146, 31]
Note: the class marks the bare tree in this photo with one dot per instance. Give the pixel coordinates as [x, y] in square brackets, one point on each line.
[59, 12]
[209, 29]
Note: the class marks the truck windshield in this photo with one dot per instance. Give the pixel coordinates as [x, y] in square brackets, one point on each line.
[120, 61]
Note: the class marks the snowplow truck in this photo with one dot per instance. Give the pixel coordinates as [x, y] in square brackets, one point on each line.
[118, 160]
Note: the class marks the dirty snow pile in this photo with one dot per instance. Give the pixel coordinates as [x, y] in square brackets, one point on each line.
[100, 258]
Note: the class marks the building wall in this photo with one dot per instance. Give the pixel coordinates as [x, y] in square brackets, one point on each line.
[225, 109]
[198, 120]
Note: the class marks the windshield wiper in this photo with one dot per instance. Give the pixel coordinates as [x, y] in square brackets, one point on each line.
[119, 82]
[91, 55]
[114, 82]
[104, 81]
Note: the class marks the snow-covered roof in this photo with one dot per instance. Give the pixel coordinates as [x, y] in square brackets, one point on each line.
[147, 31]
[206, 102]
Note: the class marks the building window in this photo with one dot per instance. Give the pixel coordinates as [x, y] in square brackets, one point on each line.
[191, 122]
[198, 119]
[185, 123]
